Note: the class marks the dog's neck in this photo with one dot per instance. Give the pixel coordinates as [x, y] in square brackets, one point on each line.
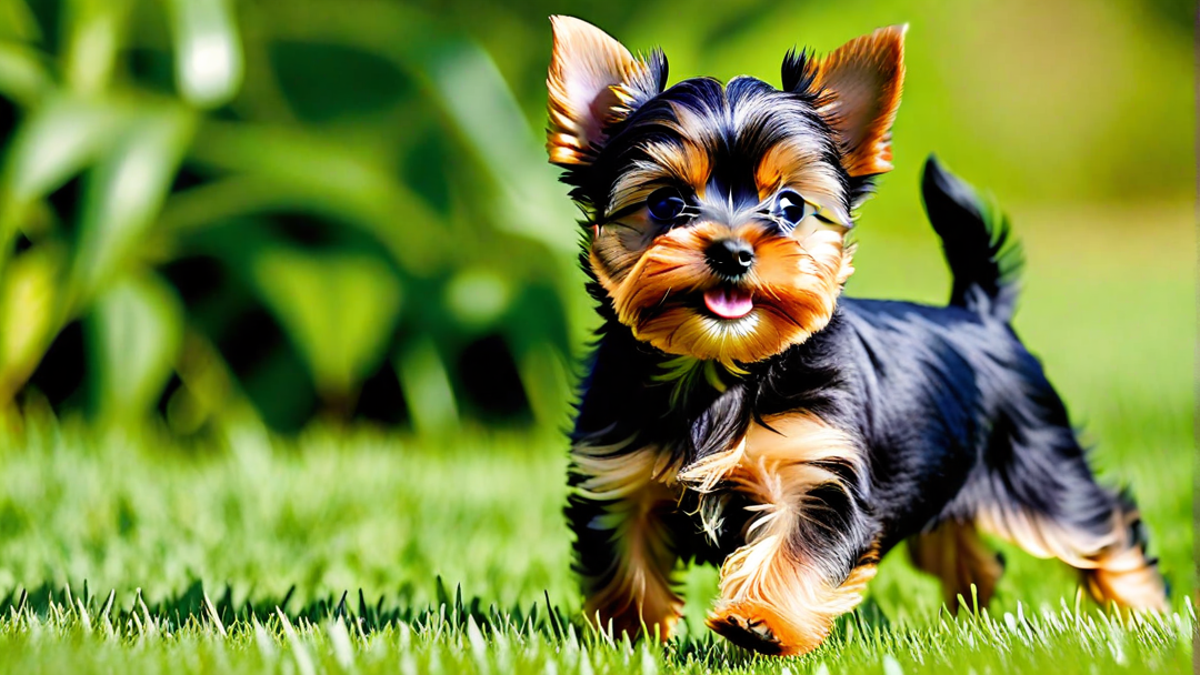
[696, 407]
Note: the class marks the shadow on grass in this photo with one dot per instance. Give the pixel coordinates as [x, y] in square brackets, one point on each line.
[194, 606]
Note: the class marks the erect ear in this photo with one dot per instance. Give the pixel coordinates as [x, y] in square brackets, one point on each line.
[861, 81]
[594, 81]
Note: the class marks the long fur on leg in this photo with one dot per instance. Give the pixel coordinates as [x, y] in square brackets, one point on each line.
[779, 592]
[954, 552]
[625, 551]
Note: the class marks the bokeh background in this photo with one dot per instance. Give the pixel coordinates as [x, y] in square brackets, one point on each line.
[291, 215]
[340, 209]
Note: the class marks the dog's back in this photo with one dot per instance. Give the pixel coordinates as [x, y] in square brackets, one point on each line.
[965, 432]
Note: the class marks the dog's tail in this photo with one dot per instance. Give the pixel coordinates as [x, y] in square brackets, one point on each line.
[985, 260]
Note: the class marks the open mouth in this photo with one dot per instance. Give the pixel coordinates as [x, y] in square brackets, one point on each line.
[728, 303]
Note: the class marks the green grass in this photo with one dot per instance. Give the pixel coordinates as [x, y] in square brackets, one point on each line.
[198, 550]
[462, 556]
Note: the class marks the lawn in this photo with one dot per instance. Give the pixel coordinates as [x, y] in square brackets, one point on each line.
[352, 549]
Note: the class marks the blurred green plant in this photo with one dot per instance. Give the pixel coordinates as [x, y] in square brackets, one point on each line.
[294, 208]
[220, 211]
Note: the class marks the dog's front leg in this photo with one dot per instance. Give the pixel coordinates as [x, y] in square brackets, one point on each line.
[809, 544]
[620, 506]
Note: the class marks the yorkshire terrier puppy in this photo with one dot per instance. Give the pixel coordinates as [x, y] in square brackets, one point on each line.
[738, 411]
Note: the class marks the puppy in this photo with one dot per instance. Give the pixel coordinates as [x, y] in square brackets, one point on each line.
[738, 411]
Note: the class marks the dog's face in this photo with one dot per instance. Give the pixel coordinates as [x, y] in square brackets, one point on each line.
[719, 214]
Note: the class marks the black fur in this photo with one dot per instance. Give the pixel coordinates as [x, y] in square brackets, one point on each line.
[951, 410]
[799, 74]
[980, 257]
[771, 115]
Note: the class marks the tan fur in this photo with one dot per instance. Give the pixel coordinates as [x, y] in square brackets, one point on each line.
[954, 552]
[865, 78]
[796, 164]
[772, 629]
[670, 164]
[641, 486]
[588, 70]
[768, 580]
[1115, 569]
[795, 284]
[1126, 578]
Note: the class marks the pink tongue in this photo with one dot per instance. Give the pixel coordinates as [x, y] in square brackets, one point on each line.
[728, 303]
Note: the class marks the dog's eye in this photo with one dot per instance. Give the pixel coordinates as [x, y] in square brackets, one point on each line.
[792, 208]
[665, 204]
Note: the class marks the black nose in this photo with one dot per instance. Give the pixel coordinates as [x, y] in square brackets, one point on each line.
[730, 257]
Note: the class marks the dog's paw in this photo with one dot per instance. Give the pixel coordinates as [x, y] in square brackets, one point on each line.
[746, 631]
[761, 628]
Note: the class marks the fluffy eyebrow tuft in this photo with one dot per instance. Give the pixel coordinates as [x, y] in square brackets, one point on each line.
[667, 162]
[794, 163]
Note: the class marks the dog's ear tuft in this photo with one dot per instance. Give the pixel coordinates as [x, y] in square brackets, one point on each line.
[799, 72]
[594, 81]
[860, 86]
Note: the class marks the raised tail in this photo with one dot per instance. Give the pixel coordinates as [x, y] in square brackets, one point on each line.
[984, 259]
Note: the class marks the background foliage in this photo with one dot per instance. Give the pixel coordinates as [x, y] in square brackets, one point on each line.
[274, 210]
[216, 211]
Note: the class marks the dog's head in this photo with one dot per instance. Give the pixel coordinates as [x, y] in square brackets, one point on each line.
[718, 214]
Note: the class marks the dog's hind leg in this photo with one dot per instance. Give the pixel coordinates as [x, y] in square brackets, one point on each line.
[954, 552]
[1109, 551]
[1039, 493]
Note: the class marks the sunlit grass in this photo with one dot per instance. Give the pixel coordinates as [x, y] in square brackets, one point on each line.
[360, 552]
[76, 635]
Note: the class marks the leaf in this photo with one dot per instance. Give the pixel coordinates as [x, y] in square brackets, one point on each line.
[17, 22]
[472, 93]
[28, 315]
[125, 193]
[323, 83]
[545, 376]
[427, 389]
[477, 297]
[308, 172]
[475, 96]
[339, 309]
[24, 73]
[136, 331]
[94, 30]
[57, 141]
[208, 51]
